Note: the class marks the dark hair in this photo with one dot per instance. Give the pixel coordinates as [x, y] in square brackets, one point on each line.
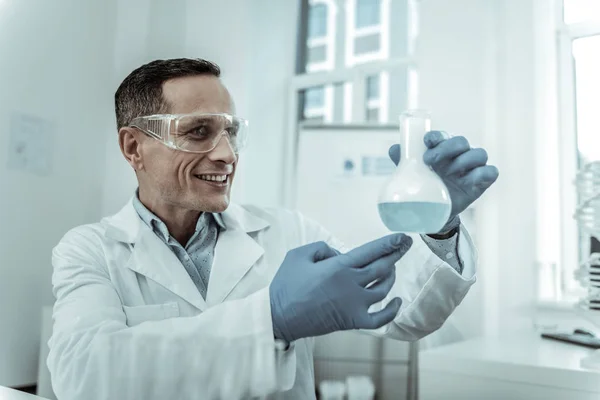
[141, 93]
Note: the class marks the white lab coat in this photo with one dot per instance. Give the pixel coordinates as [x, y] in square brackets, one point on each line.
[130, 324]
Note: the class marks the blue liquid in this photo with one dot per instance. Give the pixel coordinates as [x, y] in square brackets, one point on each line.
[416, 217]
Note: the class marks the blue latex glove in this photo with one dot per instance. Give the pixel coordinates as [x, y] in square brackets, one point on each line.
[463, 169]
[317, 290]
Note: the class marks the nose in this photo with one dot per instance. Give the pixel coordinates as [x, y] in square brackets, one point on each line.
[223, 151]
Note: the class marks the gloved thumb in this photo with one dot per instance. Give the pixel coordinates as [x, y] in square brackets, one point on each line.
[322, 251]
[385, 316]
[394, 153]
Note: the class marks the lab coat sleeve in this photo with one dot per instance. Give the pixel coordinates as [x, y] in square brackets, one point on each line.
[429, 287]
[226, 352]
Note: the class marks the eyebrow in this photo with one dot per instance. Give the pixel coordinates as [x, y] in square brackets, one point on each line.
[208, 120]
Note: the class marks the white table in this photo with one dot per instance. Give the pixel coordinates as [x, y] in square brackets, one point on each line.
[522, 366]
[11, 394]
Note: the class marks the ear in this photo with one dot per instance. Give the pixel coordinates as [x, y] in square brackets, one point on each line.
[130, 144]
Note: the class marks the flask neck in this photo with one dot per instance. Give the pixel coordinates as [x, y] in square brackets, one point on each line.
[413, 130]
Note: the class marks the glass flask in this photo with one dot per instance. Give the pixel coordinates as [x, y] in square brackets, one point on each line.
[415, 199]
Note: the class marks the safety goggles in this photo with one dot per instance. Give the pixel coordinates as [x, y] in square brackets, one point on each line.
[195, 133]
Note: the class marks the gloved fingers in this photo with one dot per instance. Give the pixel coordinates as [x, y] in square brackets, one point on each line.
[310, 252]
[322, 251]
[373, 251]
[440, 155]
[481, 177]
[394, 153]
[433, 138]
[380, 318]
[467, 161]
[380, 289]
[379, 269]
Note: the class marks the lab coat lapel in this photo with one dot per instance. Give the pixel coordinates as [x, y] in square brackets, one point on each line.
[235, 253]
[151, 257]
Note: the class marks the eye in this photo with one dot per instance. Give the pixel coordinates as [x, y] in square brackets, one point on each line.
[232, 130]
[199, 132]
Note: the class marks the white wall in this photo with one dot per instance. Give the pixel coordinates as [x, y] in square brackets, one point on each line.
[487, 73]
[55, 63]
[145, 30]
[521, 218]
[512, 215]
[273, 65]
[477, 65]
[453, 75]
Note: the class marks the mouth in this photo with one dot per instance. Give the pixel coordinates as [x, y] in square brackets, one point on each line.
[215, 180]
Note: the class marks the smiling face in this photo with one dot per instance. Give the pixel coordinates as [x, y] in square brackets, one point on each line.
[182, 180]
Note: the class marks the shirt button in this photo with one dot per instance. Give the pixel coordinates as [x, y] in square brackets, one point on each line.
[449, 256]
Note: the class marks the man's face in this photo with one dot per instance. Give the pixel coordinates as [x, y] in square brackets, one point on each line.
[177, 178]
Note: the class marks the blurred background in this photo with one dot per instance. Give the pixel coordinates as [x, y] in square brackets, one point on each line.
[322, 83]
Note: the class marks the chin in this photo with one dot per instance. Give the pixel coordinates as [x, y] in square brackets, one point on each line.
[215, 206]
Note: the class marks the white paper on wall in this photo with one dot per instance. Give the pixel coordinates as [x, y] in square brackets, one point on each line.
[31, 144]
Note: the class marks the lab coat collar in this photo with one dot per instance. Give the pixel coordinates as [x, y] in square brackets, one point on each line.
[235, 253]
[125, 225]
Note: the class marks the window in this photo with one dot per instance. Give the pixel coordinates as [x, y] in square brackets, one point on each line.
[376, 98]
[317, 21]
[373, 87]
[317, 105]
[581, 10]
[320, 34]
[579, 78]
[368, 13]
[586, 54]
[346, 62]
[367, 36]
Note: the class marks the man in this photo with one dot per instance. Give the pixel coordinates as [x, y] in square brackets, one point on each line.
[182, 295]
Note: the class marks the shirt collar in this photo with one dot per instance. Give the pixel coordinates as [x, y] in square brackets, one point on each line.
[160, 228]
[219, 219]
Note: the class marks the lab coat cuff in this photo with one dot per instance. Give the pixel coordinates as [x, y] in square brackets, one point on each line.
[467, 252]
[285, 353]
[445, 249]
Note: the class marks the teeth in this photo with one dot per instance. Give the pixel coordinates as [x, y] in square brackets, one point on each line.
[214, 178]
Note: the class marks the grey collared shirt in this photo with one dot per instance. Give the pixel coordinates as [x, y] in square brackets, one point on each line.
[198, 253]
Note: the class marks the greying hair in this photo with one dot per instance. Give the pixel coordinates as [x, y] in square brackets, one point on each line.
[141, 92]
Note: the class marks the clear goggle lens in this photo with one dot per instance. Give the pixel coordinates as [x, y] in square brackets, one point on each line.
[196, 133]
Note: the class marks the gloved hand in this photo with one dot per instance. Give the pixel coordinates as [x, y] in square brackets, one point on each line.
[317, 290]
[464, 170]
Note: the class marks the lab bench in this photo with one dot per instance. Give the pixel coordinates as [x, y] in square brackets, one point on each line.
[520, 366]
